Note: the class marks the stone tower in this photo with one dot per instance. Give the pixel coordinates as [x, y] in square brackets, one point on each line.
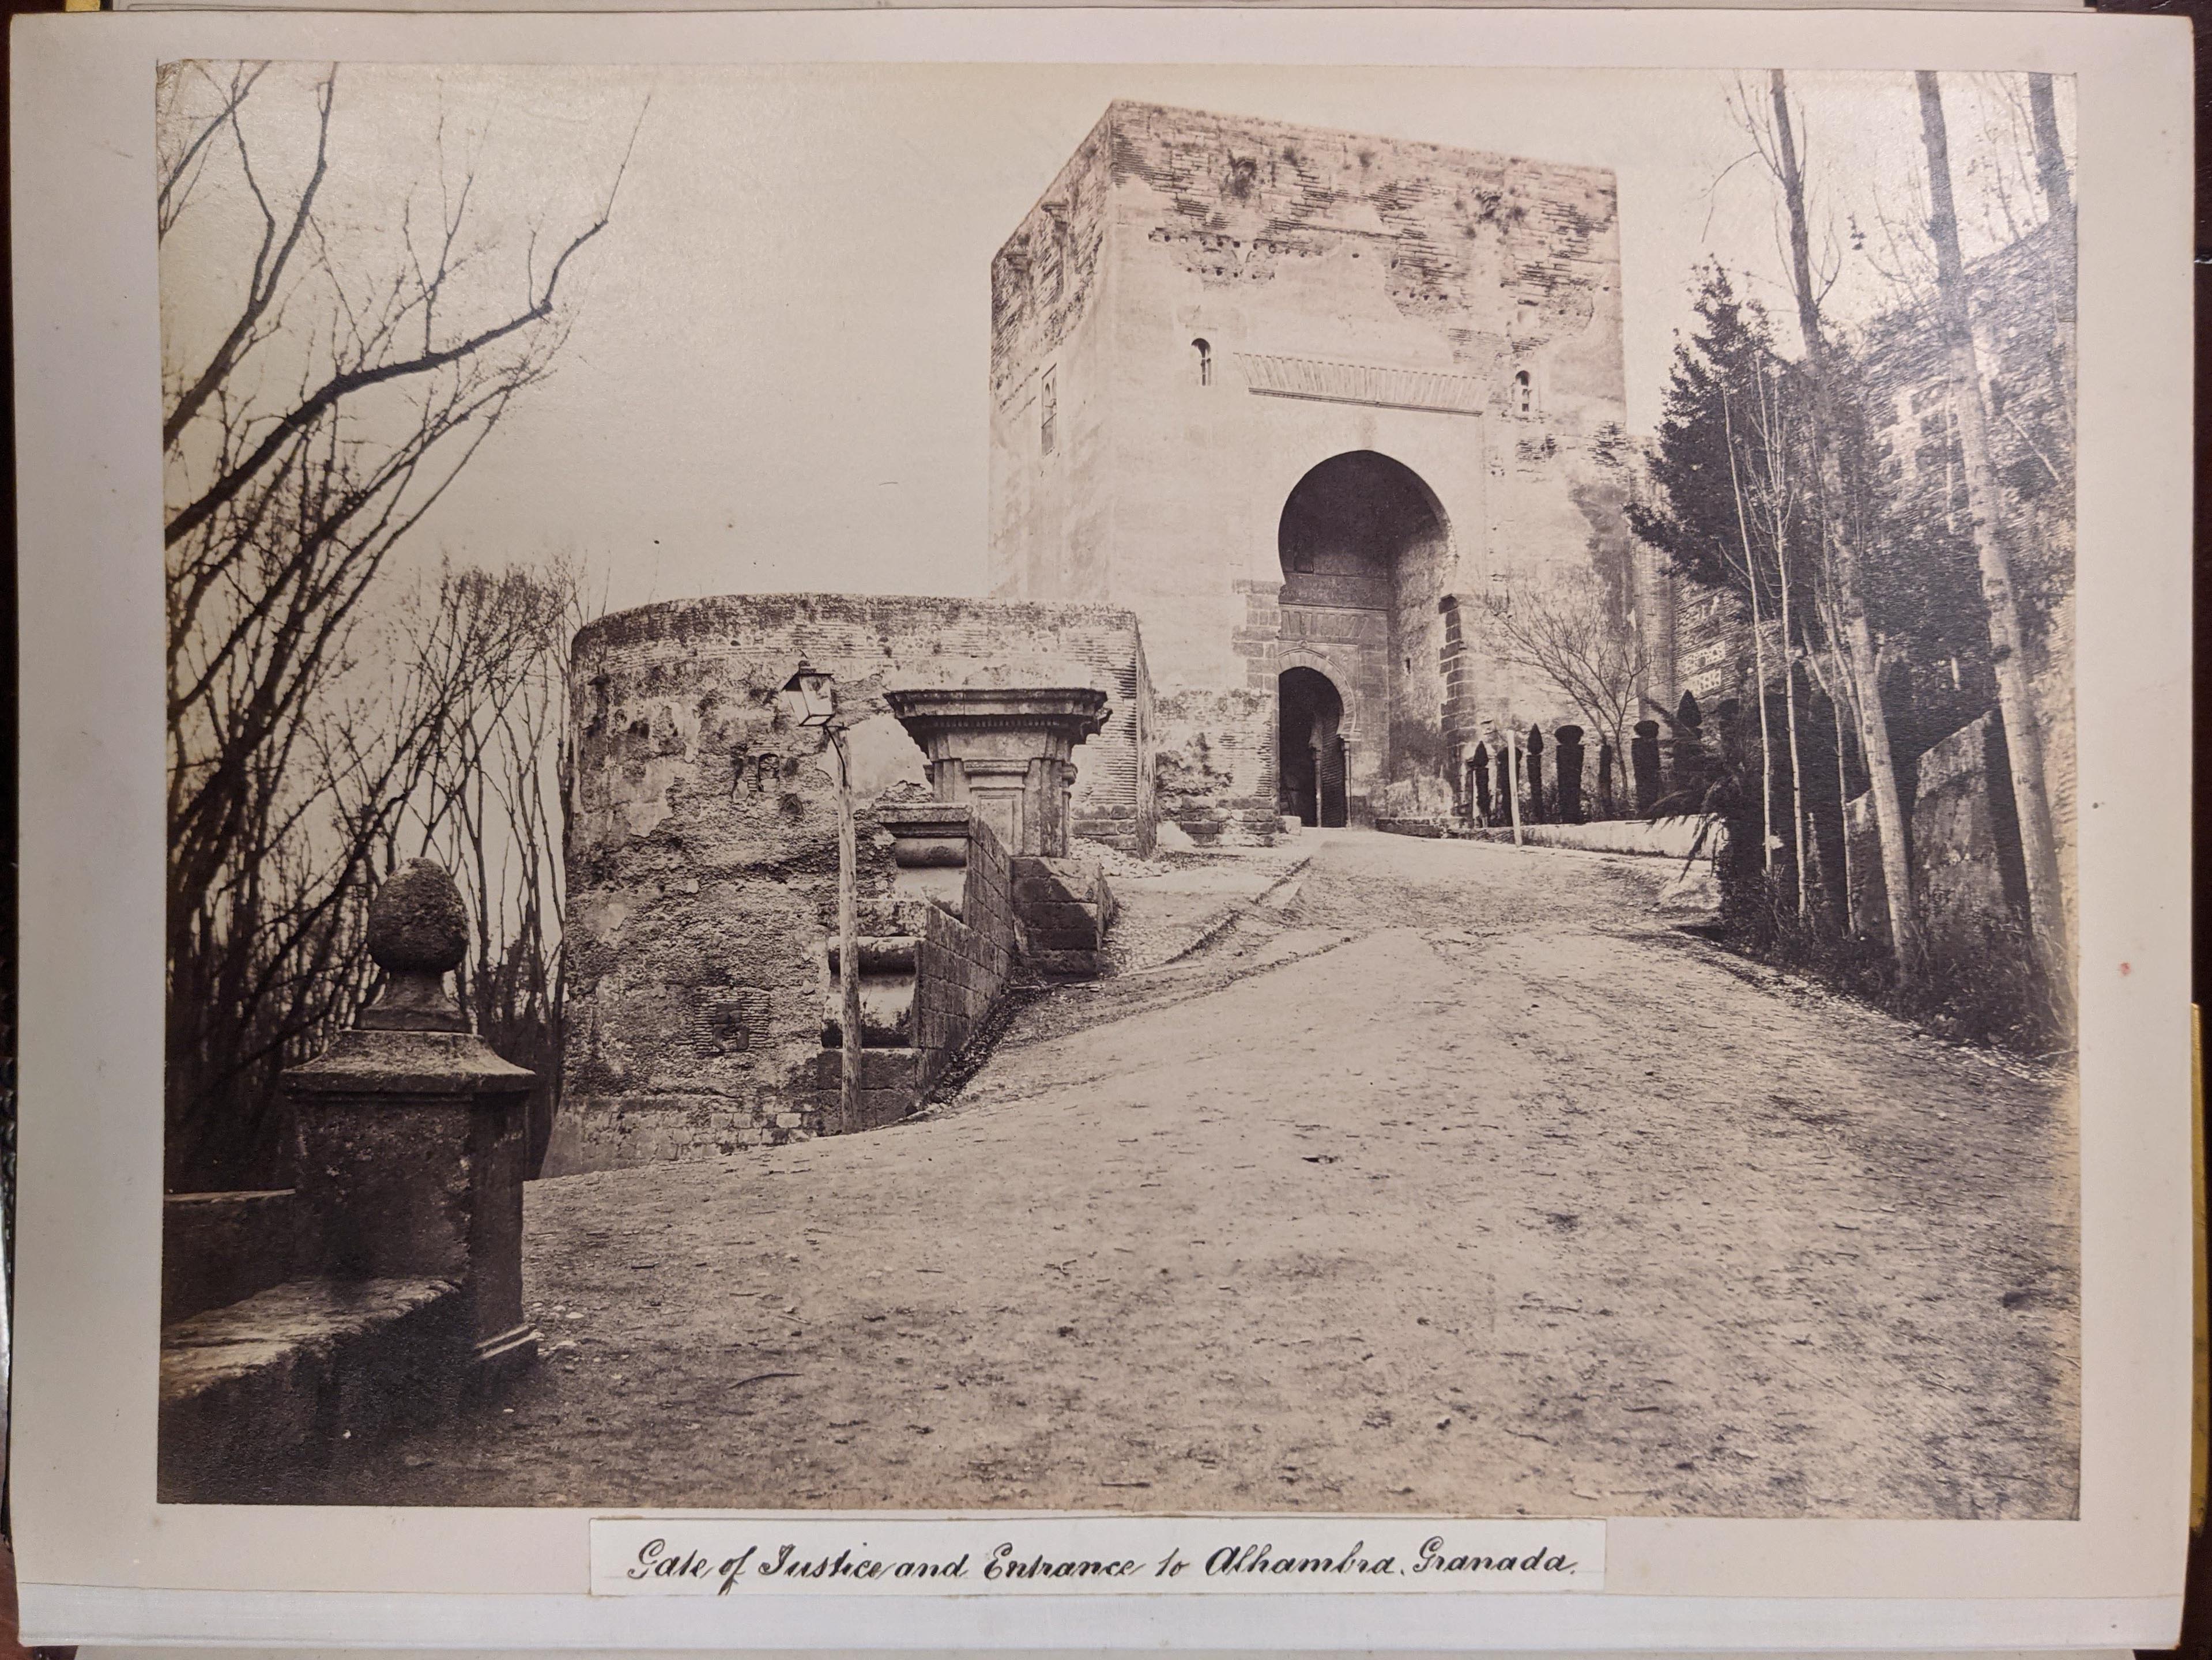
[1312, 405]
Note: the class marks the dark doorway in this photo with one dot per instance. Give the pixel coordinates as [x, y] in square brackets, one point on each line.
[1310, 748]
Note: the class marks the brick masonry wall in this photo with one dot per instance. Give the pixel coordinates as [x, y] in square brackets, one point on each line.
[2023, 328]
[964, 962]
[702, 862]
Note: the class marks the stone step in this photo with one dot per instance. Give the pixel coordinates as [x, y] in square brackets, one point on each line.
[1058, 939]
[1055, 964]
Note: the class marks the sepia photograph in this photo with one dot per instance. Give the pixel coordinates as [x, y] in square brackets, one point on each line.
[1138, 789]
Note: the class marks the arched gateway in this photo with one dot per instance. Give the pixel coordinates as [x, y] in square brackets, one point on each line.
[1365, 548]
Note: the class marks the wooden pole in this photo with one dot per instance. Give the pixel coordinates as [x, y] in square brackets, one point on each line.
[848, 945]
[1513, 778]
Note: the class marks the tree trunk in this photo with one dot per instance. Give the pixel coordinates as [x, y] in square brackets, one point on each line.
[2058, 198]
[1776, 453]
[1757, 657]
[2046, 902]
[1858, 635]
[1790, 717]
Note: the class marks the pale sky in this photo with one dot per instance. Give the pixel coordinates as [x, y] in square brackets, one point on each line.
[777, 376]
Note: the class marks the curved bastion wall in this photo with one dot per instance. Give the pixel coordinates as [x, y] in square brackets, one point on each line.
[702, 851]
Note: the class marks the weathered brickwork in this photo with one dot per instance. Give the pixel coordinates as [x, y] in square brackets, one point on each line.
[1966, 837]
[2022, 305]
[935, 959]
[703, 861]
[1208, 319]
[966, 958]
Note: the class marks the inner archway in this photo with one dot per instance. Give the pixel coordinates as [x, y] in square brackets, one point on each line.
[1311, 750]
[1365, 550]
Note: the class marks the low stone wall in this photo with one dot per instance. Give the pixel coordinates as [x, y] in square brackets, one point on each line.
[264, 1399]
[1672, 838]
[1668, 838]
[219, 1248]
[397, 1258]
[1064, 907]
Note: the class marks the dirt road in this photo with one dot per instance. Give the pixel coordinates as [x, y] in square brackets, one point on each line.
[1449, 1177]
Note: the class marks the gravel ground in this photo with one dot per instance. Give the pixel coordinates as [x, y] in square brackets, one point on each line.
[1445, 1178]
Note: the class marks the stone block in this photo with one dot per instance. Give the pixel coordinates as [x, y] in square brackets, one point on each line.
[1967, 865]
[883, 1069]
[1868, 897]
[262, 1401]
[1061, 917]
[1062, 964]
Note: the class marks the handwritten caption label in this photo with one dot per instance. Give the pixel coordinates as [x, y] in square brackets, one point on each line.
[696, 1556]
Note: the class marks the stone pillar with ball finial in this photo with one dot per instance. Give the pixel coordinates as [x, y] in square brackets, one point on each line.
[410, 1132]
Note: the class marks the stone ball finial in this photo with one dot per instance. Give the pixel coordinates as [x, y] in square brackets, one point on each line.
[418, 933]
[416, 922]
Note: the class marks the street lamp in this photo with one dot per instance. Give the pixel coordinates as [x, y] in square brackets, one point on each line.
[812, 697]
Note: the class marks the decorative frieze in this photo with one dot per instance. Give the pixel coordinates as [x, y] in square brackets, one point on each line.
[1272, 376]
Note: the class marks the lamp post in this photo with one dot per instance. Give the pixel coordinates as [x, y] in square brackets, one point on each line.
[813, 695]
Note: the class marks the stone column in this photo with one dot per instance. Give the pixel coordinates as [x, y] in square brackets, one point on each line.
[1568, 763]
[409, 1134]
[1004, 751]
[1644, 762]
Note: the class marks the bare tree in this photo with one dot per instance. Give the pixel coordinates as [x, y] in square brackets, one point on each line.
[1578, 641]
[492, 802]
[1778, 146]
[314, 428]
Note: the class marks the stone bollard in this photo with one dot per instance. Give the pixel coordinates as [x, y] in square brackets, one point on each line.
[1644, 762]
[1688, 766]
[1567, 766]
[409, 1132]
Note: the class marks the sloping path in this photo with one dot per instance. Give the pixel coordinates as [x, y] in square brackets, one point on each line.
[1452, 1179]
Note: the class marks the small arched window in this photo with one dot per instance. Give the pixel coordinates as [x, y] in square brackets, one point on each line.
[1205, 361]
[1524, 394]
